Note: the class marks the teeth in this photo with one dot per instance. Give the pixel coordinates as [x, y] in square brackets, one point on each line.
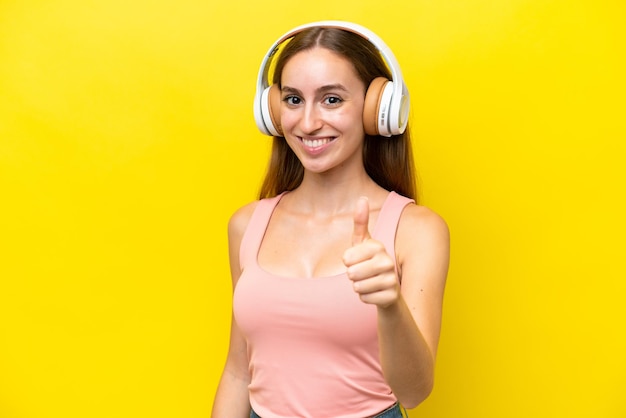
[314, 143]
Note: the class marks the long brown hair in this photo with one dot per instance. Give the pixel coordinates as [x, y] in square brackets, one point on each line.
[388, 161]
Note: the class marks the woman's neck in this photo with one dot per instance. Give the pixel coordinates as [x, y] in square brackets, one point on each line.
[328, 195]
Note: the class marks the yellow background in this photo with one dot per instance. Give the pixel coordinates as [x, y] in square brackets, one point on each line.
[127, 139]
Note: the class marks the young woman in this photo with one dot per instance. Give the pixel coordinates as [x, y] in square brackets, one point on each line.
[338, 274]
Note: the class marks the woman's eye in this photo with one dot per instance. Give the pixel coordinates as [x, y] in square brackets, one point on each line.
[332, 100]
[292, 100]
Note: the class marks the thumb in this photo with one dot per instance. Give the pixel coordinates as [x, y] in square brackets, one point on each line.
[361, 221]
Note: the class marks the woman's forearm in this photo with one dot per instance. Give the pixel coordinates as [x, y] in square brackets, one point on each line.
[406, 359]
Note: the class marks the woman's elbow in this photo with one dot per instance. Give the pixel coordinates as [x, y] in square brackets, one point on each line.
[417, 396]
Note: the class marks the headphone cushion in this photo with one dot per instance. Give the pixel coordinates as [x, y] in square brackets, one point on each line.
[371, 108]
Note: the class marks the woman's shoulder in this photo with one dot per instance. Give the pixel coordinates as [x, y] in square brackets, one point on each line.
[419, 223]
[240, 218]
[423, 246]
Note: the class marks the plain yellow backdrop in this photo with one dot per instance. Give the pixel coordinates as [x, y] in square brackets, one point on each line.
[127, 140]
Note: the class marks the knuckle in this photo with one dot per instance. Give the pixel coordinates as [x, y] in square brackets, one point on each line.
[352, 272]
[390, 280]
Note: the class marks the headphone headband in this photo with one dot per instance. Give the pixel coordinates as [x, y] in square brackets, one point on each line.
[396, 114]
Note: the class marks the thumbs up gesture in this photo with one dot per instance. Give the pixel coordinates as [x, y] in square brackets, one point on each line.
[369, 267]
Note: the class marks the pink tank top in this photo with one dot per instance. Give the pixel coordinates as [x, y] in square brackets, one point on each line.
[312, 344]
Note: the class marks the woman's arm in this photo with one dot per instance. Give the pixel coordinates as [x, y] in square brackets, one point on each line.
[232, 399]
[409, 314]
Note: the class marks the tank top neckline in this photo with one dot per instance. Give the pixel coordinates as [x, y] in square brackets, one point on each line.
[267, 273]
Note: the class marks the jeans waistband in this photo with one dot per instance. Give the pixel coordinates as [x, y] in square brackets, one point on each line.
[394, 411]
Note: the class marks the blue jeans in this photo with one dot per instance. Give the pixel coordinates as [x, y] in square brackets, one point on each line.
[394, 411]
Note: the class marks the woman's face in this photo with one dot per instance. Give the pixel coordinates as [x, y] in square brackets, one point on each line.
[322, 110]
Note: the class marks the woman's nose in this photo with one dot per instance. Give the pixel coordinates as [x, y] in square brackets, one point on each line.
[311, 120]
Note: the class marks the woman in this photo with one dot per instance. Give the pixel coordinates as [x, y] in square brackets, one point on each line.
[338, 275]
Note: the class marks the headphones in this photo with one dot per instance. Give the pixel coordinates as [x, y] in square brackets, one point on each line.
[386, 108]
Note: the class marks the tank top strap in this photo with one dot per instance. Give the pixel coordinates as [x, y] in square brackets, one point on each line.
[253, 235]
[388, 219]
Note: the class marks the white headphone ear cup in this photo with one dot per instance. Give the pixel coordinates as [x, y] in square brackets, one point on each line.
[266, 112]
[399, 111]
[258, 112]
[270, 110]
[399, 125]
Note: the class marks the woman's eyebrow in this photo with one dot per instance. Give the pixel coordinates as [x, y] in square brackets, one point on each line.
[292, 90]
[319, 90]
[331, 87]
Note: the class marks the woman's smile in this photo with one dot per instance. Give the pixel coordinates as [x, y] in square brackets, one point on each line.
[316, 144]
